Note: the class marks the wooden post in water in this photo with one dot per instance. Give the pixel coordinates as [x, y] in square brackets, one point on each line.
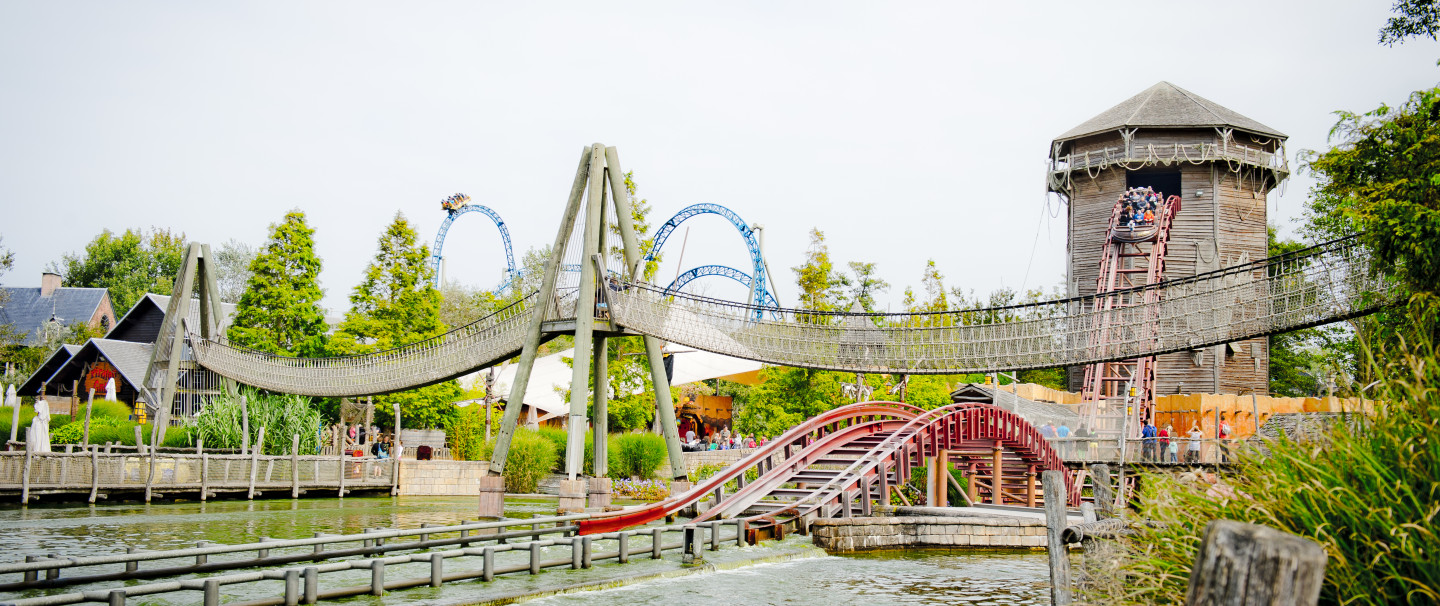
[1055, 522]
[94, 473]
[1103, 491]
[89, 404]
[1251, 565]
[204, 469]
[255, 460]
[399, 453]
[295, 467]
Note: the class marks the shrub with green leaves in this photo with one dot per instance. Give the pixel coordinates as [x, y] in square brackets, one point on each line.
[465, 432]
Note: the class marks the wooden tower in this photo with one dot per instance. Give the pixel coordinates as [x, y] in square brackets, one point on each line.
[1220, 163]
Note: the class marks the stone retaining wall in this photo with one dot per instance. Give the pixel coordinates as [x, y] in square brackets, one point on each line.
[441, 478]
[979, 532]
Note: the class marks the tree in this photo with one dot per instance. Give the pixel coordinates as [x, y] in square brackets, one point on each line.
[822, 288]
[280, 311]
[1383, 179]
[232, 269]
[639, 214]
[864, 283]
[785, 397]
[461, 305]
[397, 304]
[128, 265]
[1413, 18]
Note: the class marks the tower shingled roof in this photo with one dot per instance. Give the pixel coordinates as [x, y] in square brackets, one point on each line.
[1167, 105]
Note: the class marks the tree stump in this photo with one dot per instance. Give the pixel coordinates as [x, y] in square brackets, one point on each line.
[1248, 564]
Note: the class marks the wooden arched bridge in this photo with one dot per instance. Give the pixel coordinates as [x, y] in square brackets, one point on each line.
[841, 461]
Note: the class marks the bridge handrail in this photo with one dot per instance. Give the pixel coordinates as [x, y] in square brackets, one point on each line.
[606, 522]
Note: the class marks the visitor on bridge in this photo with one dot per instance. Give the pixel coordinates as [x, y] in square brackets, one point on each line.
[1192, 450]
[1147, 441]
[1224, 433]
[1048, 430]
[1169, 445]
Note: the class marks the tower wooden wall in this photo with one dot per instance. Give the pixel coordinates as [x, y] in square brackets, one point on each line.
[1223, 226]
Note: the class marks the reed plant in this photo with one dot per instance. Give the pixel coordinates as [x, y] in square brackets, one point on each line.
[635, 455]
[1368, 491]
[283, 416]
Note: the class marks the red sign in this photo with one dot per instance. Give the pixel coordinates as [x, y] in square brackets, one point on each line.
[99, 375]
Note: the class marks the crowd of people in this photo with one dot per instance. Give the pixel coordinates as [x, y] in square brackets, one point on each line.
[1140, 206]
[720, 440]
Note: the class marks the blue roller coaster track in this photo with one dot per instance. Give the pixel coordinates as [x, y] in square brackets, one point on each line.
[511, 274]
[762, 295]
[718, 270]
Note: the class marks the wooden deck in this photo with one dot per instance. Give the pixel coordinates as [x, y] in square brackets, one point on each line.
[94, 474]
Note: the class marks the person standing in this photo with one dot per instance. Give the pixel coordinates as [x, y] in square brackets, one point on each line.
[1147, 441]
[1192, 450]
[1223, 433]
[1162, 444]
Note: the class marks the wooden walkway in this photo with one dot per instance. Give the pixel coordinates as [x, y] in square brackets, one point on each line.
[95, 474]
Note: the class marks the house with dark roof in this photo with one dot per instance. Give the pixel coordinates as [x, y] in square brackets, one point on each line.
[124, 355]
[31, 310]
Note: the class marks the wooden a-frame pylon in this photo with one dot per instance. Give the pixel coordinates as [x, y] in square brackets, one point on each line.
[599, 166]
[163, 373]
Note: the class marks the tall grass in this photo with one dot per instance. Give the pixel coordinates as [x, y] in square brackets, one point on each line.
[282, 416]
[1369, 492]
[635, 455]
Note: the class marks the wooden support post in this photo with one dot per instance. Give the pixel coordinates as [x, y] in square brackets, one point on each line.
[295, 466]
[1252, 565]
[971, 486]
[656, 543]
[601, 357]
[997, 478]
[94, 474]
[865, 506]
[1102, 489]
[204, 470]
[1055, 522]
[1030, 486]
[936, 488]
[340, 469]
[255, 460]
[585, 317]
[89, 405]
[25, 471]
[398, 454]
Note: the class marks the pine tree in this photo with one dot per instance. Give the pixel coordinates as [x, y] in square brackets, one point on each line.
[279, 311]
[397, 304]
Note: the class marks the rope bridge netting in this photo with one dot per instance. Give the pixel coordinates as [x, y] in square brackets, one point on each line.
[1327, 282]
[481, 343]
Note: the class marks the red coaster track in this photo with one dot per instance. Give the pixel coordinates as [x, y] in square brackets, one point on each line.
[1134, 256]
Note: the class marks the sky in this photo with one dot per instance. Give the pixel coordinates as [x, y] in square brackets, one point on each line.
[904, 131]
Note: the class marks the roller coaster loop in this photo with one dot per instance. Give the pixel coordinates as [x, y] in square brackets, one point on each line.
[451, 214]
[762, 297]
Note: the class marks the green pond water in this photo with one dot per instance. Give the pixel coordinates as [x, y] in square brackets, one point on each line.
[899, 577]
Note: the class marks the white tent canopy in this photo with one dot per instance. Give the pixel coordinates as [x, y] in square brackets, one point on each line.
[551, 377]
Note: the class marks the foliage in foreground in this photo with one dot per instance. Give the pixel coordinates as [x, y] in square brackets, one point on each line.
[1369, 493]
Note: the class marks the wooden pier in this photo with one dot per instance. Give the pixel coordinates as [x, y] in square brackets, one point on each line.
[98, 472]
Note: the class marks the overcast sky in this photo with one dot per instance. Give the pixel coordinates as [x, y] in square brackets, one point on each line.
[904, 131]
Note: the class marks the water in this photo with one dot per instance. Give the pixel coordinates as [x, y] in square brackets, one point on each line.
[913, 577]
[891, 577]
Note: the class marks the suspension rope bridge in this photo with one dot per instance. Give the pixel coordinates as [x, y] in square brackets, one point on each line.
[1321, 284]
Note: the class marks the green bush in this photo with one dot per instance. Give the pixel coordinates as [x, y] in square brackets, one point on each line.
[635, 455]
[531, 458]
[282, 416]
[1366, 492]
[118, 431]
